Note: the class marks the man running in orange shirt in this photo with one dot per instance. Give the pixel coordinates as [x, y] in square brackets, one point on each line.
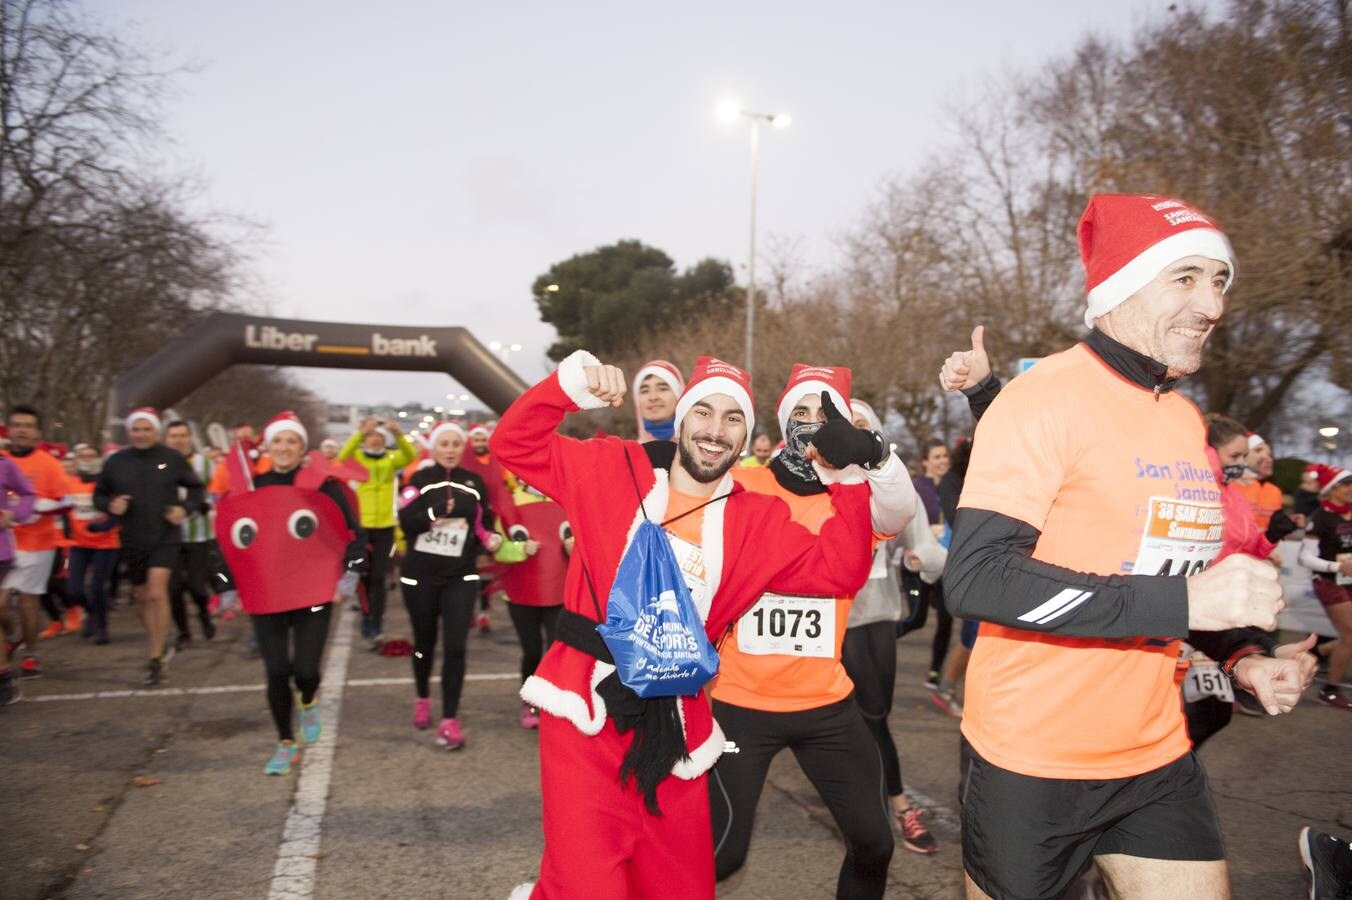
[1086, 527]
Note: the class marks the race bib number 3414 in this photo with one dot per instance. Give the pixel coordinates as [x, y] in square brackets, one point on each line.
[1180, 538]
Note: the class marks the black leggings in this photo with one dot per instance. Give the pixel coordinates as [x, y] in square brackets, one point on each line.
[836, 752]
[310, 626]
[190, 574]
[535, 629]
[379, 547]
[454, 603]
[869, 654]
[943, 624]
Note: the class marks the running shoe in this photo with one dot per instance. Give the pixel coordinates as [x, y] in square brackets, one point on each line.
[449, 734]
[530, 716]
[51, 631]
[914, 835]
[9, 688]
[154, 672]
[208, 627]
[932, 681]
[286, 756]
[1327, 696]
[483, 624]
[310, 727]
[422, 713]
[1248, 704]
[73, 619]
[31, 667]
[375, 642]
[1329, 862]
[947, 703]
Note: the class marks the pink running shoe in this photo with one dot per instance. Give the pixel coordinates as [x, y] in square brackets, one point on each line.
[449, 734]
[422, 713]
[530, 717]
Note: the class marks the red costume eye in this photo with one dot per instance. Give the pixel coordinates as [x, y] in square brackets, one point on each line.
[243, 532]
[302, 523]
[565, 530]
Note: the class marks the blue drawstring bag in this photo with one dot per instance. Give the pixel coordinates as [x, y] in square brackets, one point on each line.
[652, 627]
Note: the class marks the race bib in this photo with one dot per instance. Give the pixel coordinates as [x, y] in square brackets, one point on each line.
[84, 507]
[1206, 680]
[446, 538]
[1181, 538]
[1340, 577]
[789, 626]
[690, 558]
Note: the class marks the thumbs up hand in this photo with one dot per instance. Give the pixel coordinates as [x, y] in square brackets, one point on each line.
[967, 368]
[838, 443]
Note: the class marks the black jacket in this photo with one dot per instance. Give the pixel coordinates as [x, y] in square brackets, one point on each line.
[435, 495]
[151, 477]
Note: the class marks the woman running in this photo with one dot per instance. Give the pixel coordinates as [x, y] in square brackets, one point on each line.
[1327, 550]
[293, 544]
[443, 512]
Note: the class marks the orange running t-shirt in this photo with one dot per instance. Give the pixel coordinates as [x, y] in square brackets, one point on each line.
[83, 514]
[1265, 498]
[684, 535]
[48, 480]
[783, 654]
[1117, 481]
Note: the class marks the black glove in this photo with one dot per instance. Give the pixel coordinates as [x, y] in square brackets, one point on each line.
[354, 558]
[841, 444]
[1279, 526]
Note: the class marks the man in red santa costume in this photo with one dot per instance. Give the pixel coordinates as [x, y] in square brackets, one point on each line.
[626, 808]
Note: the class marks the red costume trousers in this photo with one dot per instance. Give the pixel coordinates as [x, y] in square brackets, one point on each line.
[600, 840]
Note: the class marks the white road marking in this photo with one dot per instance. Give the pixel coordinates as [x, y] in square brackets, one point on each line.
[293, 877]
[245, 688]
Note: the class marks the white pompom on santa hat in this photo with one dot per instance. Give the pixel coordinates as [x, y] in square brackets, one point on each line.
[714, 376]
[285, 420]
[1126, 240]
[805, 379]
[145, 414]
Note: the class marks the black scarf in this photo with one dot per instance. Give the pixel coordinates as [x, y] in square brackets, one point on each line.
[794, 455]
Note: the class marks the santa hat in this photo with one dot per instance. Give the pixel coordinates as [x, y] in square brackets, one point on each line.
[146, 413]
[441, 428]
[805, 379]
[1329, 476]
[663, 370]
[860, 409]
[285, 420]
[1126, 240]
[1255, 440]
[328, 442]
[480, 429]
[713, 376]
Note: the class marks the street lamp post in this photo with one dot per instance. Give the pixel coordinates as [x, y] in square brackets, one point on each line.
[730, 111]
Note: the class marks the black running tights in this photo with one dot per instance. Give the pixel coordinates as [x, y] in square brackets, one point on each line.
[454, 604]
[535, 629]
[869, 654]
[308, 628]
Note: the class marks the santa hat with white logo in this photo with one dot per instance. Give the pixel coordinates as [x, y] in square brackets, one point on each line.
[663, 370]
[285, 420]
[1126, 240]
[805, 379]
[145, 414]
[713, 376]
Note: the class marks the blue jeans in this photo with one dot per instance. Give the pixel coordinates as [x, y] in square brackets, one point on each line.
[101, 562]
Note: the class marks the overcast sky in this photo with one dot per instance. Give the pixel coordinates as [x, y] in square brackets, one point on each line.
[422, 163]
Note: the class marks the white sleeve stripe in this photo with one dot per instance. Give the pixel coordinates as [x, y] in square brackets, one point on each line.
[1051, 606]
[1065, 609]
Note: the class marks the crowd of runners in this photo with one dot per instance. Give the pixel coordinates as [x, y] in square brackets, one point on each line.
[1107, 556]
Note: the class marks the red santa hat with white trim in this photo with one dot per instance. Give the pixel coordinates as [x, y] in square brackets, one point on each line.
[480, 429]
[285, 420]
[145, 414]
[714, 376]
[805, 379]
[1255, 440]
[1329, 476]
[445, 427]
[1126, 240]
[663, 370]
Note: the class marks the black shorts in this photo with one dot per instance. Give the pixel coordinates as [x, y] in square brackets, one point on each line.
[1028, 837]
[138, 562]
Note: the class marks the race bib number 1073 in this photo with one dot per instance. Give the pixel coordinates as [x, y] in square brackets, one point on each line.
[789, 626]
[1180, 538]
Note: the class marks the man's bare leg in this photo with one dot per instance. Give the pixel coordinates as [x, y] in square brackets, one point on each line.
[153, 603]
[974, 892]
[1138, 878]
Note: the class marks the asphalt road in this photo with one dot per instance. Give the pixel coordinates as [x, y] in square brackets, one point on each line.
[113, 792]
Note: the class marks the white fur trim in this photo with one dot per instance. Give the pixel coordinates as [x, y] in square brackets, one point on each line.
[801, 390]
[522, 891]
[851, 474]
[147, 415]
[275, 428]
[573, 379]
[703, 757]
[568, 704]
[1129, 279]
[662, 372]
[447, 426]
[1256, 441]
[860, 408]
[718, 385]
